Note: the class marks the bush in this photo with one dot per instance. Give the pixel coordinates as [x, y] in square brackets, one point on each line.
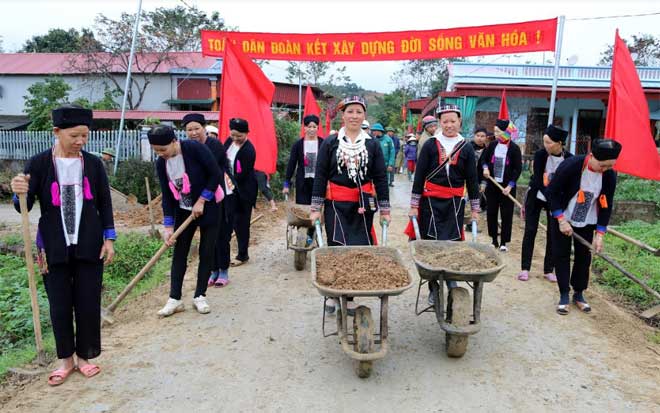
[16, 327]
[631, 188]
[632, 258]
[288, 132]
[130, 179]
[133, 250]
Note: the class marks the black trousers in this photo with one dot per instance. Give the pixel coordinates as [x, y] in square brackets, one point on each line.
[499, 203]
[533, 208]
[223, 247]
[242, 217]
[262, 182]
[561, 244]
[74, 290]
[208, 239]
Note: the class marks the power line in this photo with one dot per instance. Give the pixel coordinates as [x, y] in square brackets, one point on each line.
[614, 17]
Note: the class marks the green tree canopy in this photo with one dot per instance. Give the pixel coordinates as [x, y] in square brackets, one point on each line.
[62, 41]
[42, 98]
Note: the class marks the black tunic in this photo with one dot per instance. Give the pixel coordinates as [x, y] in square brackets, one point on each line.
[96, 221]
[343, 224]
[442, 218]
[304, 185]
[246, 180]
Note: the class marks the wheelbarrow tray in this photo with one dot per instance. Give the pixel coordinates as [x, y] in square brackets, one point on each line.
[381, 251]
[297, 221]
[434, 273]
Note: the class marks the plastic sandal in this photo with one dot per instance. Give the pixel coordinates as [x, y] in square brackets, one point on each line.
[61, 375]
[89, 370]
[523, 276]
[221, 282]
[582, 306]
[562, 309]
[550, 276]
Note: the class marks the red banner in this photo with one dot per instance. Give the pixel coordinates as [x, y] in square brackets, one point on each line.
[532, 36]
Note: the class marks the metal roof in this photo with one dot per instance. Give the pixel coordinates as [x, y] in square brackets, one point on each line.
[158, 114]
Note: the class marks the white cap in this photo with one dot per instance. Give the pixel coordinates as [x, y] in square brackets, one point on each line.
[365, 124]
[211, 129]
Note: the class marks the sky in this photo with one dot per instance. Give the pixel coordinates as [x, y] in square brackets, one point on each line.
[584, 39]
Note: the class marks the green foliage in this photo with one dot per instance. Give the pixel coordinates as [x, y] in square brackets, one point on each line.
[107, 102]
[388, 109]
[130, 179]
[62, 41]
[631, 188]
[42, 98]
[645, 46]
[288, 132]
[12, 240]
[133, 251]
[632, 258]
[16, 326]
[317, 73]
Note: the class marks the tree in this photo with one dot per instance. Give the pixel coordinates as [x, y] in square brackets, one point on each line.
[420, 78]
[107, 102]
[42, 98]
[388, 109]
[645, 46]
[317, 73]
[62, 41]
[161, 32]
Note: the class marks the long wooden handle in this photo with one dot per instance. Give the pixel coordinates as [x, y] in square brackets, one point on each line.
[640, 244]
[29, 263]
[617, 266]
[515, 201]
[149, 265]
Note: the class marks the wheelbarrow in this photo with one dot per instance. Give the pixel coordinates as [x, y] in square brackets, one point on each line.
[460, 318]
[363, 344]
[296, 237]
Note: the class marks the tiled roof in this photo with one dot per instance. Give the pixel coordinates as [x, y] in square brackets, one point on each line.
[142, 114]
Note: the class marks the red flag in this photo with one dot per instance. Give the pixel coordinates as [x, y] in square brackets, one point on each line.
[419, 124]
[504, 111]
[311, 107]
[403, 113]
[328, 123]
[247, 93]
[628, 119]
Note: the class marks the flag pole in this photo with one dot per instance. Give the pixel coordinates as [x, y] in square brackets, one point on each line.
[299, 95]
[555, 75]
[126, 86]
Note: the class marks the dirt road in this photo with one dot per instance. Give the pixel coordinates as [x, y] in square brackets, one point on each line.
[261, 349]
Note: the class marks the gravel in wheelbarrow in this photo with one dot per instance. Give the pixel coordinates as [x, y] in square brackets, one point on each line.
[298, 217]
[359, 271]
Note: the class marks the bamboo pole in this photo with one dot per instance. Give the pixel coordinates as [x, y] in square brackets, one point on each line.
[151, 212]
[29, 263]
[640, 244]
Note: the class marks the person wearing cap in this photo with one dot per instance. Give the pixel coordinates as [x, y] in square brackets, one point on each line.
[242, 156]
[479, 142]
[429, 127]
[350, 182]
[302, 161]
[410, 154]
[398, 151]
[546, 161]
[581, 197]
[190, 185]
[194, 125]
[445, 166]
[74, 238]
[366, 127]
[502, 160]
[387, 146]
[211, 131]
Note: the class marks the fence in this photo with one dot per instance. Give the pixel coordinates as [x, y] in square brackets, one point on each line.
[20, 145]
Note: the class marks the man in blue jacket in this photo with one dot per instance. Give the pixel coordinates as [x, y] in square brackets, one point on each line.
[387, 146]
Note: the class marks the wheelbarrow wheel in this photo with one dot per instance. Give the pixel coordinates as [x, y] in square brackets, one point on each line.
[300, 257]
[460, 317]
[363, 329]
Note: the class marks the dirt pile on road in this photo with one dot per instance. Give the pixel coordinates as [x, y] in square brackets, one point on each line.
[457, 258]
[360, 270]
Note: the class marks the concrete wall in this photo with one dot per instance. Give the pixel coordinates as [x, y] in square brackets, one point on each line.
[14, 87]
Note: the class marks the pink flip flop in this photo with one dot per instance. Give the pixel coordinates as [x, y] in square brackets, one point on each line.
[62, 374]
[221, 282]
[89, 370]
[523, 276]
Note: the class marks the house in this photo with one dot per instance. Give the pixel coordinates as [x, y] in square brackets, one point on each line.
[178, 82]
[581, 104]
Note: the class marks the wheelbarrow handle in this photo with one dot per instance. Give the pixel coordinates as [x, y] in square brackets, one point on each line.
[385, 226]
[474, 230]
[416, 227]
[319, 234]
